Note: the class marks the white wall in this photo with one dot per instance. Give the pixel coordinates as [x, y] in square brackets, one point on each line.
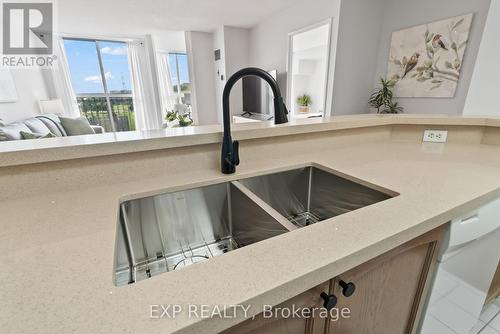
[170, 41]
[31, 87]
[269, 39]
[237, 46]
[234, 46]
[219, 70]
[201, 65]
[357, 47]
[482, 98]
[400, 14]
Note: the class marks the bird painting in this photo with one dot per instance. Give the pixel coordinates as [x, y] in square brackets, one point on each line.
[426, 60]
[412, 63]
[437, 42]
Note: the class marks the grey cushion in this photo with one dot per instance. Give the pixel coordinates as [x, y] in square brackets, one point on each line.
[2, 123]
[53, 122]
[36, 126]
[13, 131]
[30, 135]
[76, 126]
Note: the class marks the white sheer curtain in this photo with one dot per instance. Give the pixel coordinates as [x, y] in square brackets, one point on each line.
[167, 93]
[62, 80]
[147, 116]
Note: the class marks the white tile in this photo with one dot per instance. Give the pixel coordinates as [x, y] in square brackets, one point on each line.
[453, 316]
[432, 326]
[435, 296]
[489, 312]
[497, 302]
[468, 298]
[495, 323]
[444, 282]
[488, 330]
[477, 327]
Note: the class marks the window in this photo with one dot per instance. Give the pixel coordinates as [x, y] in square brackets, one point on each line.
[179, 76]
[100, 75]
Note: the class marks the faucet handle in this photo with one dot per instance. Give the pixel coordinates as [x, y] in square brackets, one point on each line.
[285, 109]
[236, 153]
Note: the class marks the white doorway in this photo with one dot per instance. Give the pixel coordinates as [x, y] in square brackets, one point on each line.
[308, 68]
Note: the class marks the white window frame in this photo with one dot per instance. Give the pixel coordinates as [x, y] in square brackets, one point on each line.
[178, 84]
[106, 93]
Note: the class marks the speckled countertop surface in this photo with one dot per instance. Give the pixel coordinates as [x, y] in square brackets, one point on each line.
[56, 247]
[55, 149]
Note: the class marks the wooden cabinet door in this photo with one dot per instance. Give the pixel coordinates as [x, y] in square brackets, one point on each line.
[389, 290]
[309, 299]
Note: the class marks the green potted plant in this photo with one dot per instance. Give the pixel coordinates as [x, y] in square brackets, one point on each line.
[381, 98]
[304, 101]
[184, 120]
[171, 116]
[392, 108]
[176, 120]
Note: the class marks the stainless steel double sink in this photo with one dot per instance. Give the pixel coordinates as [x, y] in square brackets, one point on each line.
[167, 232]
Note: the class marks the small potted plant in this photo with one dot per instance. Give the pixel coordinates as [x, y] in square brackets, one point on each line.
[381, 99]
[176, 120]
[171, 116]
[392, 108]
[304, 102]
[184, 120]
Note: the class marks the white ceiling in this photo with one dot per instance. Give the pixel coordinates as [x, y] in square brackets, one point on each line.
[144, 15]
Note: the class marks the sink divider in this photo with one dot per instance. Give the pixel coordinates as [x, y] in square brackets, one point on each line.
[128, 244]
[229, 208]
[264, 206]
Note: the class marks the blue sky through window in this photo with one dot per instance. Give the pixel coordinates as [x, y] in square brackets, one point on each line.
[84, 66]
[183, 67]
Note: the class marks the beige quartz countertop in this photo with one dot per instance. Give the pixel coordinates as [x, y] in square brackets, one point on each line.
[57, 244]
[63, 148]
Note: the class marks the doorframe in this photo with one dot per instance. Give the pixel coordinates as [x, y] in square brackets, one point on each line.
[289, 62]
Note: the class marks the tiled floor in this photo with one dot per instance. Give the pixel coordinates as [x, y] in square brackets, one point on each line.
[454, 307]
[489, 321]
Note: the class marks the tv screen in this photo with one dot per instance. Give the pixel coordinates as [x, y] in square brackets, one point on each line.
[257, 95]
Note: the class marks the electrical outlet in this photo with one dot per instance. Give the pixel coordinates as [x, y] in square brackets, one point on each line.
[435, 136]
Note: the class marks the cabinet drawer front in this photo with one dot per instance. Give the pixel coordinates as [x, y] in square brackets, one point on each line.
[384, 295]
[389, 290]
[276, 325]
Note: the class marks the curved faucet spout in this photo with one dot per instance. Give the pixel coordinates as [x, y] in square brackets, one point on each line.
[230, 156]
[280, 112]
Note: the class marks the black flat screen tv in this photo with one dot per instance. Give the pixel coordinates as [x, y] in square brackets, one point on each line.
[257, 95]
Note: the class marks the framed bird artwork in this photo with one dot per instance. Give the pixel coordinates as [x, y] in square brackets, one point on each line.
[426, 60]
